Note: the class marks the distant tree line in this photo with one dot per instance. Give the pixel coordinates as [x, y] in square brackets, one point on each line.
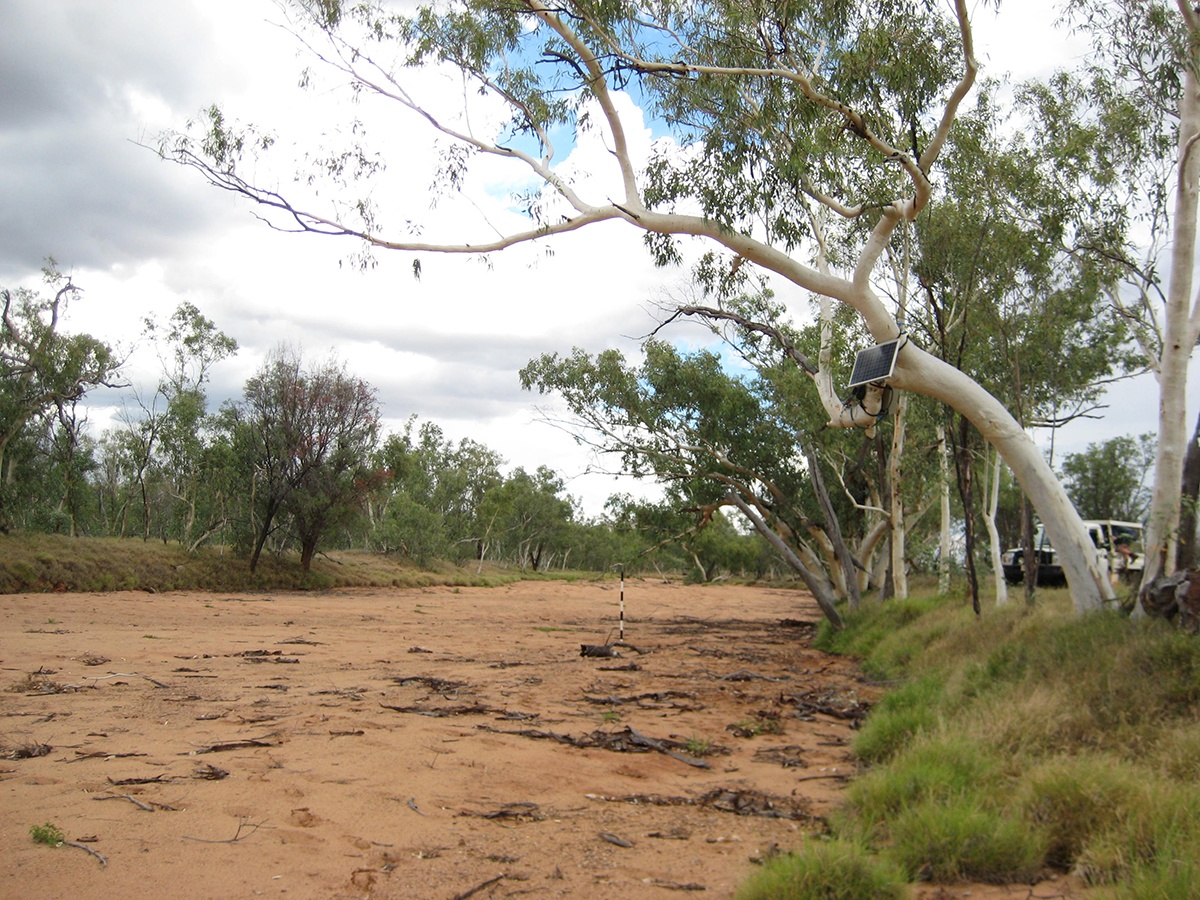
[301, 464]
[298, 464]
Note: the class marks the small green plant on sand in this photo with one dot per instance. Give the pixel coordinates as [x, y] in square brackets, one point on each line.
[46, 834]
[610, 717]
[698, 746]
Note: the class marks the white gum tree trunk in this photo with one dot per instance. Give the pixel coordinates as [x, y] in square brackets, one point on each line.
[1181, 326]
[992, 489]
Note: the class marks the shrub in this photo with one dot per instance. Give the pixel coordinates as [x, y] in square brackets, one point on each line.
[1153, 839]
[904, 713]
[825, 870]
[937, 770]
[1073, 800]
[47, 834]
[963, 841]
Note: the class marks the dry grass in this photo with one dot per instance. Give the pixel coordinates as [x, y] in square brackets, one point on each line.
[48, 563]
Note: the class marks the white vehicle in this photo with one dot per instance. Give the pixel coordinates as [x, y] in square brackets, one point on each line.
[1119, 551]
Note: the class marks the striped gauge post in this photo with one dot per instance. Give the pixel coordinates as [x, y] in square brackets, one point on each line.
[622, 625]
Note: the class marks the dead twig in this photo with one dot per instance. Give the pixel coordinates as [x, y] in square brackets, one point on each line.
[237, 835]
[26, 751]
[153, 681]
[747, 675]
[438, 712]
[231, 745]
[101, 754]
[150, 779]
[614, 839]
[86, 849]
[482, 886]
[132, 799]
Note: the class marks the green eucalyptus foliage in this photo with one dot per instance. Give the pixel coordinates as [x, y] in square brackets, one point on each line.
[1108, 479]
[44, 374]
[686, 420]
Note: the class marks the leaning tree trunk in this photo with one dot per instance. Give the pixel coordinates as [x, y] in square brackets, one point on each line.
[923, 373]
[834, 529]
[819, 587]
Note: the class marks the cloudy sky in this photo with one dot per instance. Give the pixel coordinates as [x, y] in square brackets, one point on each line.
[85, 85]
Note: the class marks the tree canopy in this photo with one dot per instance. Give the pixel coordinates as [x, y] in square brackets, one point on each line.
[802, 140]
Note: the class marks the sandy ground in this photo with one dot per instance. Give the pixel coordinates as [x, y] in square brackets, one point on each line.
[438, 743]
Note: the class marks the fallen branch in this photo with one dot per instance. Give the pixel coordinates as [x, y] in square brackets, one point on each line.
[482, 886]
[132, 799]
[829, 703]
[150, 779]
[730, 800]
[231, 745]
[626, 740]
[747, 675]
[153, 681]
[438, 712]
[101, 754]
[86, 849]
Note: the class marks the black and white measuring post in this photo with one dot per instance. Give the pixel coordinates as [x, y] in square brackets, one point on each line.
[622, 622]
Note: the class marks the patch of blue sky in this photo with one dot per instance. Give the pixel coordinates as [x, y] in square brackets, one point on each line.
[701, 339]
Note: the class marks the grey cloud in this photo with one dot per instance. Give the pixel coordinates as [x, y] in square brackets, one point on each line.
[72, 182]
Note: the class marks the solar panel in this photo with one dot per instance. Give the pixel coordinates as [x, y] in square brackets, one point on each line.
[874, 364]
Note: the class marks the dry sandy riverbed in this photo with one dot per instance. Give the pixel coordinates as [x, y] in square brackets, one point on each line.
[439, 742]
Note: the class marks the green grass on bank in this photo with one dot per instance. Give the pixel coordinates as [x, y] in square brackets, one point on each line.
[1022, 743]
[48, 562]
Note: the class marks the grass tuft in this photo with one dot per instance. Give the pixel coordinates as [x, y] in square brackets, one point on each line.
[826, 870]
[961, 840]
